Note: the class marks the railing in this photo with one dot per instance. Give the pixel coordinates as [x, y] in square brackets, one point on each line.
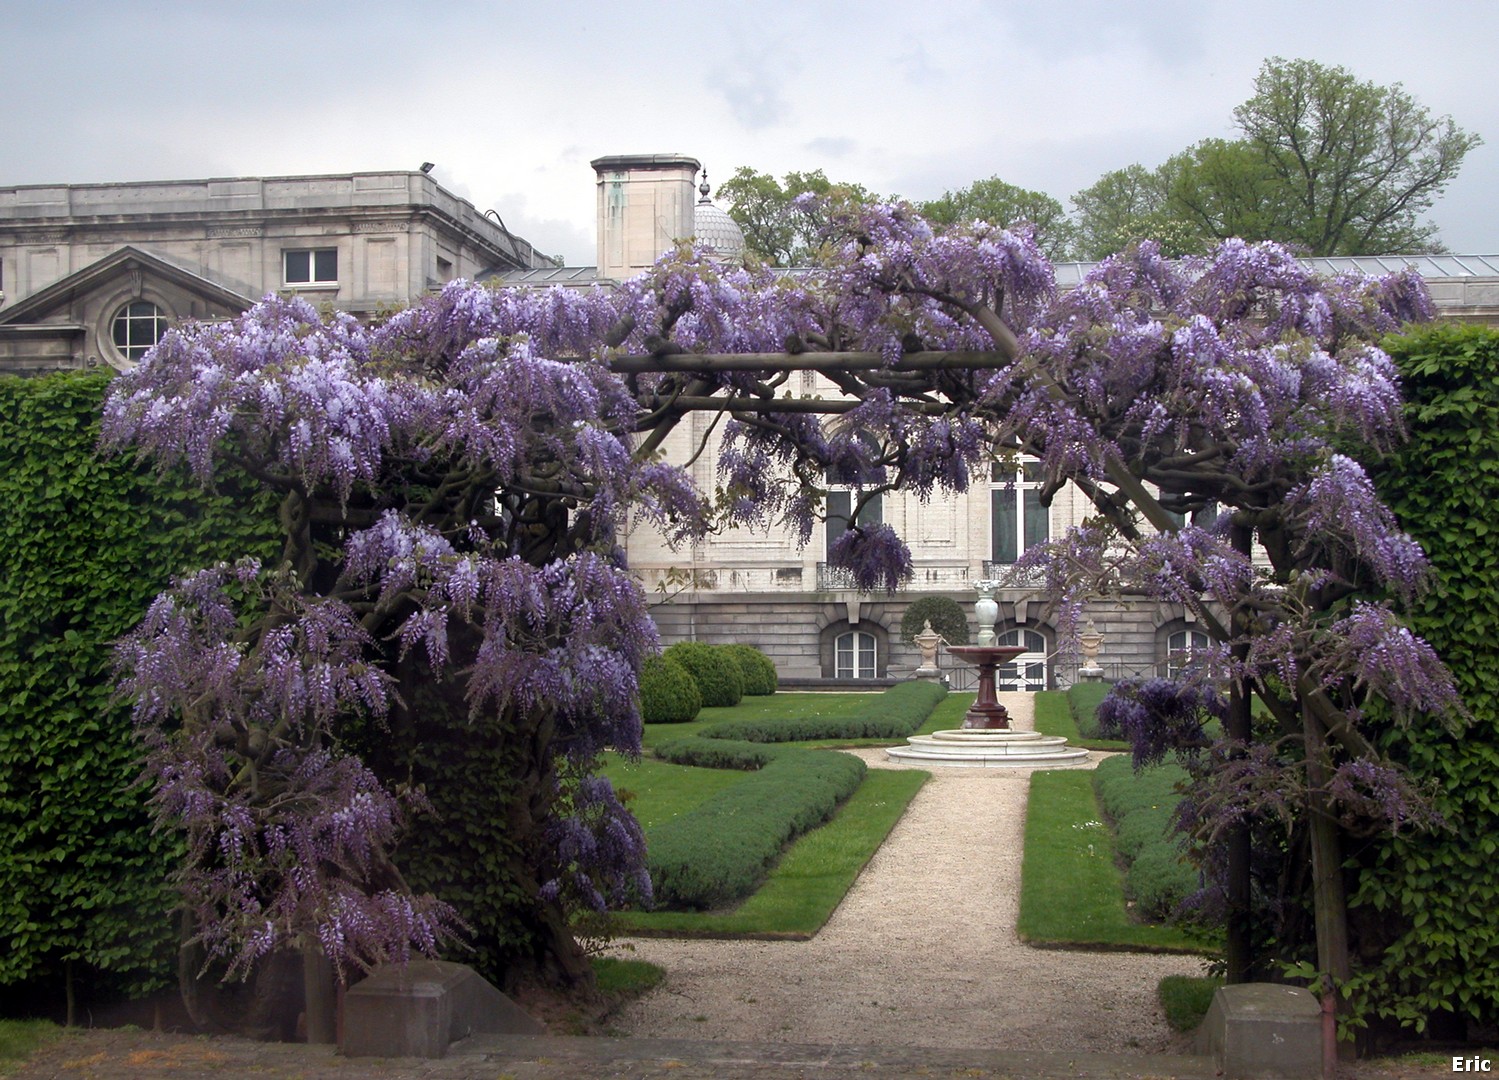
[1029, 579]
[837, 578]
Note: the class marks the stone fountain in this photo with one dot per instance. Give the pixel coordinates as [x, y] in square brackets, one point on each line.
[986, 739]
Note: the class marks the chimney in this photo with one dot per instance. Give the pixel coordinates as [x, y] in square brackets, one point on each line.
[645, 205]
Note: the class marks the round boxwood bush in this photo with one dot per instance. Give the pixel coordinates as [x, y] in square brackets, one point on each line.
[713, 669]
[945, 615]
[668, 692]
[757, 669]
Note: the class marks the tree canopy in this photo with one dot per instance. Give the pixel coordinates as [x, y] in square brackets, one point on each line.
[778, 224]
[455, 480]
[1004, 204]
[1325, 163]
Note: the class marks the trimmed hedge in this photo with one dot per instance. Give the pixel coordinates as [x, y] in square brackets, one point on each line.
[714, 670]
[668, 692]
[88, 541]
[892, 715]
[944, 613]
[757, 670]
[1140, 804]
[721, 851]
[1083, 700]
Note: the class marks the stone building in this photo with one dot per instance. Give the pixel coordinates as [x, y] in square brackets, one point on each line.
[94, 273]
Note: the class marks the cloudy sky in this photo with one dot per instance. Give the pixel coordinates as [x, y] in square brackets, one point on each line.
[512, 98]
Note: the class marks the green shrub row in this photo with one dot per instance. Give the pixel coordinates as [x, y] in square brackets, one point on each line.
[758, 670]
[1140, 805]
[1083, 700]
[668, 692]
[722, 850]
[892, 715]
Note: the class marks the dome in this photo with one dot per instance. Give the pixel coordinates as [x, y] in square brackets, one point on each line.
[713, 229]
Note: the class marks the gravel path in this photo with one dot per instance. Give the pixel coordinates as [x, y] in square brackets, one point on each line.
[922, 951]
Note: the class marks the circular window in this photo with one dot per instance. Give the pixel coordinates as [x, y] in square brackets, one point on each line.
[137, 327]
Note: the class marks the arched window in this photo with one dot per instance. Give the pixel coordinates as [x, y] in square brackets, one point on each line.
[856, 656]
[1179, 648]
[136, 327]
[1028, 670]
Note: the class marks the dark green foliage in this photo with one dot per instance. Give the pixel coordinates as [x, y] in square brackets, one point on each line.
[668, 692]
[1429, 899]
[721, 851]
[757, 670]
[88, 543]
[892, 715]
[1185, 1000]
[1140, 804]
[1083, 700]
[715, 671]
[944, 613]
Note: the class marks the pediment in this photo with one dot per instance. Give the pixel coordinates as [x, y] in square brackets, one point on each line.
[130, 269]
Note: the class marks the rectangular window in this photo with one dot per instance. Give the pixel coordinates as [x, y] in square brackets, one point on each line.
[840, 505]
[314, 266]
[1018, 520]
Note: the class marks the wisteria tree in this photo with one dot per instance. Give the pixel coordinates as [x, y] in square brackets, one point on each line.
[457, 483]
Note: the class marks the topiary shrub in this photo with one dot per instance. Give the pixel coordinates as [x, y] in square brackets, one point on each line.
[714, 670]
[668, 692]
[945, 615]
[757, 669]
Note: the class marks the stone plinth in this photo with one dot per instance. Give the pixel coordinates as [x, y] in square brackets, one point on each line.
[1263, 1031]
[419, 1009]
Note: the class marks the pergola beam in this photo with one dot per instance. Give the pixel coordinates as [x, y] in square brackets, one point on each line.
[692, 363]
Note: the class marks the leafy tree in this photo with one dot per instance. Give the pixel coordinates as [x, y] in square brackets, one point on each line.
[999, 203]
[1325, 163]
[778, 224]
[453, 481]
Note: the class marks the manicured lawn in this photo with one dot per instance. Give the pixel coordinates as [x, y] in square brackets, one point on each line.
[1054, 717]
[1071, 891]
[811, 879]
[780, 705]
[658, 792]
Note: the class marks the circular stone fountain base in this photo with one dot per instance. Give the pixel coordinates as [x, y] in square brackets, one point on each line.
[986, 748]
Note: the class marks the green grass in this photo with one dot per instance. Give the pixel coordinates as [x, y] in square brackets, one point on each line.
[659, 792]
[1054, 717]
[1071, 891]
[810, 880]
[618, 976]
[20, 1038]
[1185, 999]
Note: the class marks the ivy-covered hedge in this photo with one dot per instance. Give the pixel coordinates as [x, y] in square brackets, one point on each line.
[892, 715]
[757, 670]
[1141, 805]
[87, 543]
[1432, 897]
[721, 851]
[715, 671]
[668, 692]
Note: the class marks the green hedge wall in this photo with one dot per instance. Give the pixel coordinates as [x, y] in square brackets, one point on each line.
[1431, 898]
[87, 543]
[1083, 700]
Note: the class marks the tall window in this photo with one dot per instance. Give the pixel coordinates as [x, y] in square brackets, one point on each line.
[1028, 670]
[137, 327]
[840, 511]
[855, 655]
[312, 266]
[1179, 649]
[1018, 520]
